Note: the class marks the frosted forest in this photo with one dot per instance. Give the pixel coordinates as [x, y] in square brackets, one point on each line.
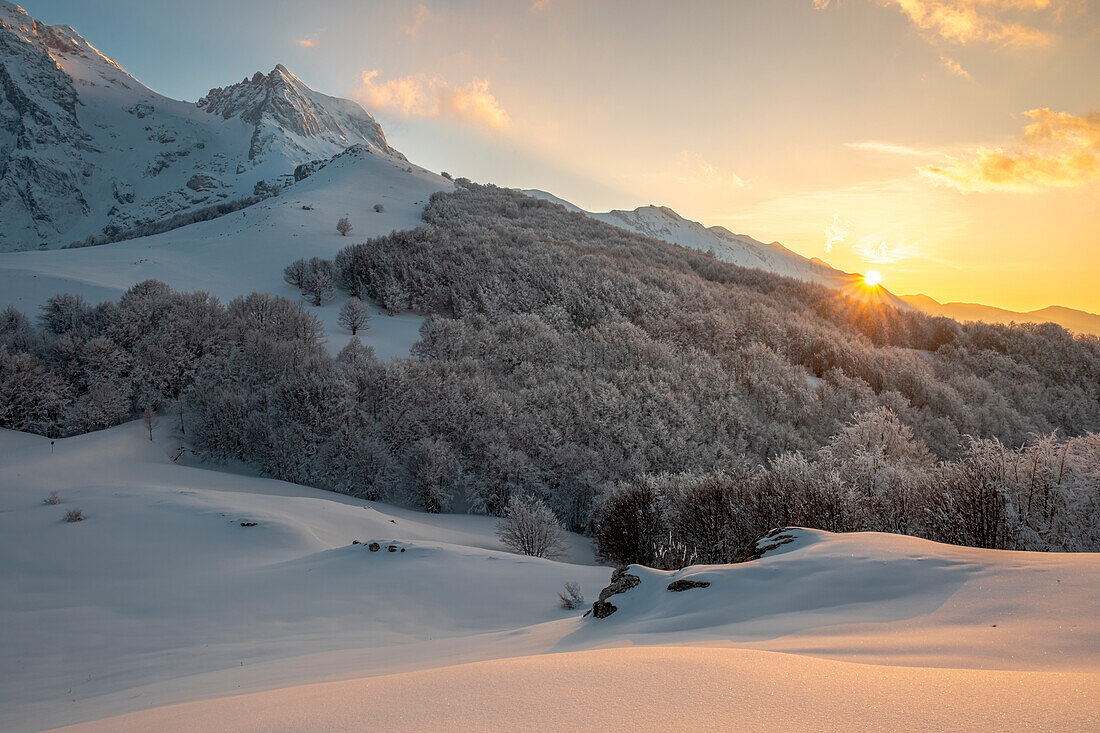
[671, 405]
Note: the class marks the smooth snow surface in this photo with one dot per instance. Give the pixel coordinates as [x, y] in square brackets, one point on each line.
[160, 597]
[656, 688]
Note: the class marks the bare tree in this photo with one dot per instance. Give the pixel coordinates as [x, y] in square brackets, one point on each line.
[343, 226]
[354, 315]
[530, 528]
[147, 415]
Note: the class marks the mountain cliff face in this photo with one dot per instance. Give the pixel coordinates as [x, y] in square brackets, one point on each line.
[86, 150]
[284, 111]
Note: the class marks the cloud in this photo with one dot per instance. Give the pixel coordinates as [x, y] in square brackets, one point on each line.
[1056, 150]
[421, 15]
[1010, 22]
[538, 6]
[312, 41]
[420, 95]
[693, 166]
[954, 67]
[836, 232]
[877, 146]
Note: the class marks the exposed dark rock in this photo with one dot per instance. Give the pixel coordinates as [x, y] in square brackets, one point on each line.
[765, 544]
[392, 548]
[603, 609]
[374, 547]
[621, 582]
[203, 182]
[683, 584]
[249, 524]
[263, 189]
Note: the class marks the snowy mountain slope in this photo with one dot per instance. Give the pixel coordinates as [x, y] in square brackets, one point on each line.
[661, 222]
[160, 596]
[247, 250]
[86, 149]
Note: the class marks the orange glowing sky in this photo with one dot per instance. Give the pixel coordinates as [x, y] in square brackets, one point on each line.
[951, 145]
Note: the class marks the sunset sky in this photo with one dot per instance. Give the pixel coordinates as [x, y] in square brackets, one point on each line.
[951, 145]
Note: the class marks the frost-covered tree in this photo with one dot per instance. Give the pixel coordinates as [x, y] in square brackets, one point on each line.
[436, 471]
[64, 313]
[354, 315]
[318, 287]
[530, 528]
[344, 226]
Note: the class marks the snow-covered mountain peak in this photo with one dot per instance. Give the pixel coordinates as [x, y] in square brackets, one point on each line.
[88, 153]
[279, 103]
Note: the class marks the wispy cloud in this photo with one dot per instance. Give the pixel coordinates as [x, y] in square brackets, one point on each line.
[836, 232]
[875, 250]
[878, 146]
[1057, 149]
[421, 16]
[1009, 22]
[311, 41]
[538, 6]
[954, 67]
[693, 166]
[421, 95]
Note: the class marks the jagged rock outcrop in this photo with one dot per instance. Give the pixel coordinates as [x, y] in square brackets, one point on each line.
[279, 104]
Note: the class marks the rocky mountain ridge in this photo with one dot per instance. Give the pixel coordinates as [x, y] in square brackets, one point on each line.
[88, 152]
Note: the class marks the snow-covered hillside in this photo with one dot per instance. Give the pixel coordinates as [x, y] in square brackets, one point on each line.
[247, 250]
[161, 596]
[86, 149]
[661, 222]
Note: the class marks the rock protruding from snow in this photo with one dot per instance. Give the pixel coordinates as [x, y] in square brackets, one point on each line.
[621, 582]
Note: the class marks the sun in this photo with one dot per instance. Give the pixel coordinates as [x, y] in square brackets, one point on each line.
[872, 279]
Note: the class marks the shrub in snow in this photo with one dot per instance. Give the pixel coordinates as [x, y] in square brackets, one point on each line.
[343, 226]
[378, 208]
[571, 596]
[530, 528]
[354, 315]
[74, 515]
[53, 498]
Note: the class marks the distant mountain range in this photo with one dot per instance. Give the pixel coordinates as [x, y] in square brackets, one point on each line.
[661, 222]
[1069, 318]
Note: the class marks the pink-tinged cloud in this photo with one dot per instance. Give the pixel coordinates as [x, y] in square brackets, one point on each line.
[421, 16]
[420, 95]
[954, 67]
[1057, 149]
[1009, 22]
